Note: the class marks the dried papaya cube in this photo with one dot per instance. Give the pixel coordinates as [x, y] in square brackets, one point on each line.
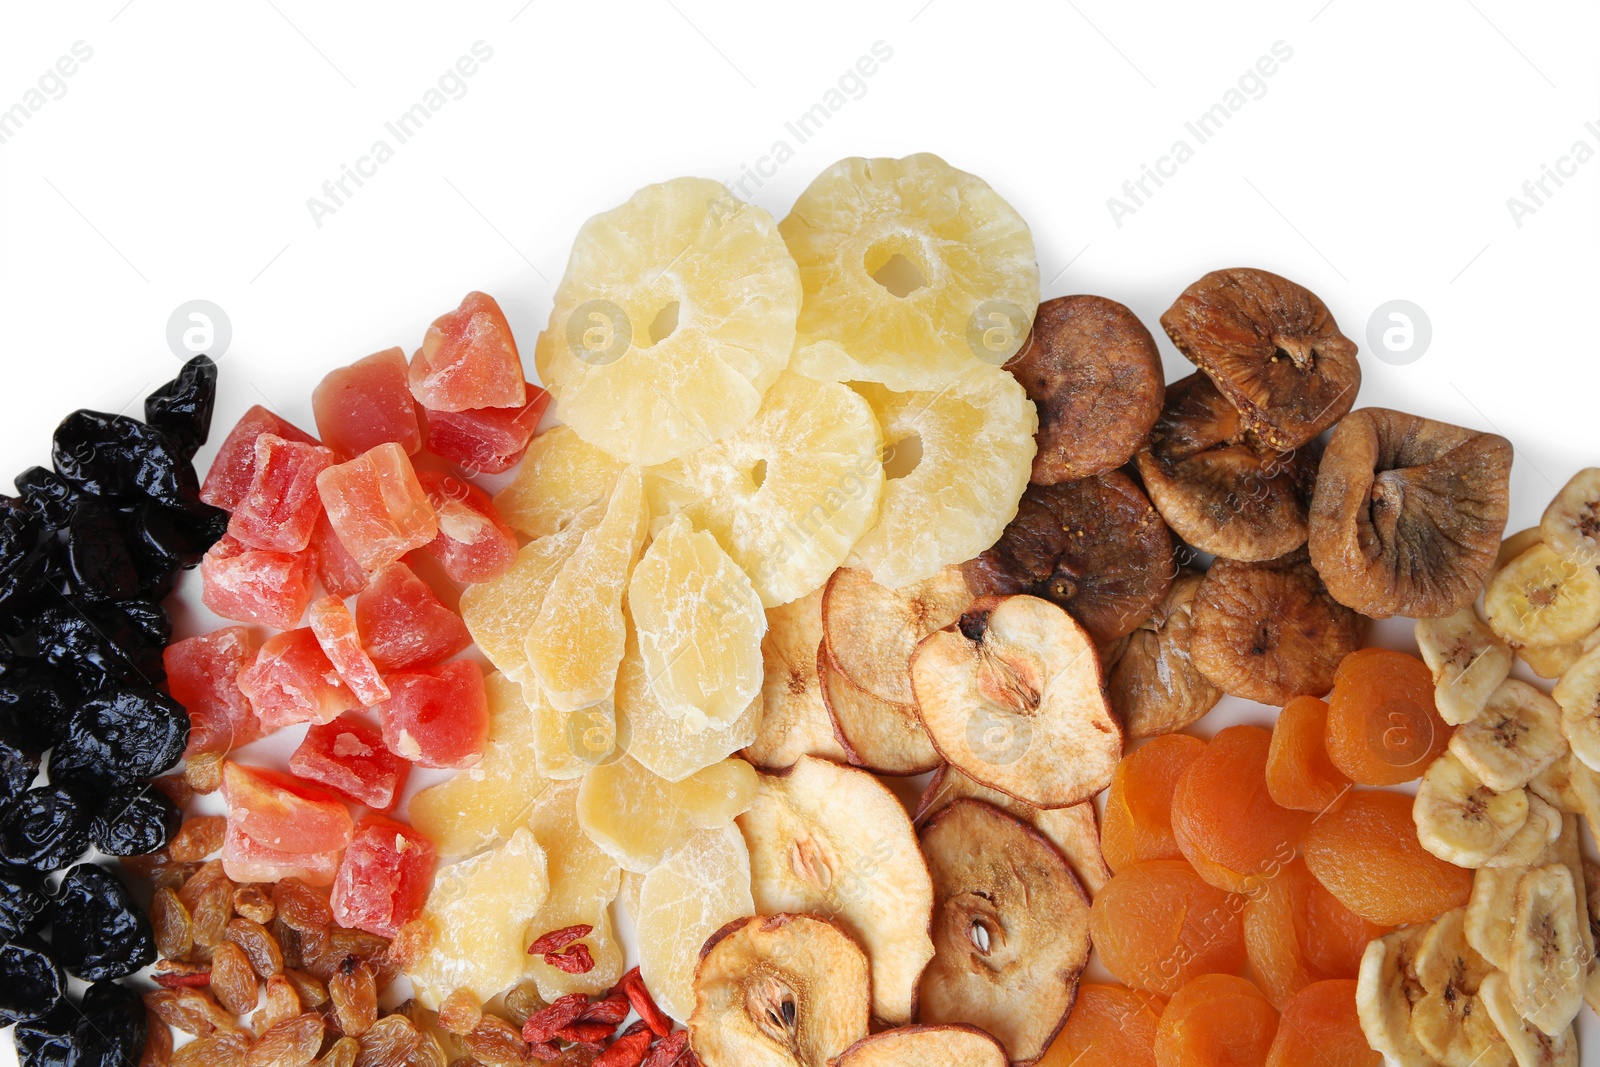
[1217, 1020]
[255, 585]
[335, 629]
[280, 509]
[367, 404]
[437, 717]
[1299, 773]
[235, 464]
[1225, 822]
[1109, 1027]
[383, 878]
[348, 757]
[1158, 924]
[203, 676]
[487, 440]
[275, 820]
[377, 506]
[1383, 727]
[473, 545]
[468, 359]
[1366, 853]
[245, 860]
[1138, 819]
[1297, 933]
[336, 569]
[293, 681]
[1320, 1026]
[403, 623]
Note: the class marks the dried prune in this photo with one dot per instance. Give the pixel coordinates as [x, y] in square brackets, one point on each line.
[111, 1031]
[97, 557]
[121, 736]
[1095, 547]
[134, 821]
[165, 539]
[1408, 513]
[45, 828]
[19, 765]
[48, 1041]
[98, 930]
[117, 457]
[31, 982]
[183, 406]
[1093, 371]
[34, 705]
[22, 901]
[97, 645]
[21, 566]
[47, 494]
[150, 618]
[1272, 348]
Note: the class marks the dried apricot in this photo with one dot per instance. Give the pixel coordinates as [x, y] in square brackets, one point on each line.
[1109, 1027]
[1138, 819]
[1159, 924]
[1297, 933]
[1299, 773]
[1366, 853]
[1224, 820]
[1217, 1020]
[1383, 728]
[1320, 1026]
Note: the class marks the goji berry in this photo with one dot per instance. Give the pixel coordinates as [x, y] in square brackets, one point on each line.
[542, 1025]
[556, 940]
[633, 985]
[575, 960]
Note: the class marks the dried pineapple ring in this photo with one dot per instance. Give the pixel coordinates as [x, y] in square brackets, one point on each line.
[583, 883]
[701, 887]
[913, 272]
[976, 438]
[675, 315]
[788, 495]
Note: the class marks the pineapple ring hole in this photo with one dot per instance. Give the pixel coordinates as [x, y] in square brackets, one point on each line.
[665, 322]
[758, 473]
[898, 274]
[902, 457]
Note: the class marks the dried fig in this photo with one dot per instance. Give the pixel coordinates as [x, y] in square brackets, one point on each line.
[1270, 631]
[1408, 512]
[1095, 547]
[1156, 687]
[1273, 349]
[1093, 371]
[1216, 487]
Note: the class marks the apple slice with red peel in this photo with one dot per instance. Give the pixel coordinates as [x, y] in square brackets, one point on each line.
[877, 735]
[1010, 929]
[779, 991]
[871, 630]
[1012, 695]
[919, 1046]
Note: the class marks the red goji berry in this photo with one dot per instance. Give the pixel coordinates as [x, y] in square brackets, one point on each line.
[179, 981]
[542, 1025]
[556, 940]
[612, 1008]
[633, 985]
[594, 1035]
[626, 1051]
[667, 1051]
[575, 960]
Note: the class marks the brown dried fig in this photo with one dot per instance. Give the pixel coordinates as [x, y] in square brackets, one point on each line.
[1093, 371]
[1156, 687]
[1095, 546]
[1408, 513]
[1269, 632]
[1215, 487]
[1273, 349]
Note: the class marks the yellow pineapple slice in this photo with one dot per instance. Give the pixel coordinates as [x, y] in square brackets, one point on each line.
[583, 883]
[913, 271]
[788, 495]
[794, 719]
[483, 804]
[559, 476]
[676, 313]
[660, 741]
[566, 744]
[970, 450]
[576, 641]
[498, 612]
[638, 819]
[699, 624]
[692, 894]
[479, 912]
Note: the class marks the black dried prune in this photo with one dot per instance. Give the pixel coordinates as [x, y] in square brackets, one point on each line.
[22, 901]
[111, 1032]
[18, 766]
[121, 736]
[34, 704]
[31, 983]
[97, 929]
[116, 457]
[97, 557]
[151, 620]
[97, 645]
[183, 406]
[134, 821]
[46, 827]
[49, 1041]
[21, 564]
[47, 494]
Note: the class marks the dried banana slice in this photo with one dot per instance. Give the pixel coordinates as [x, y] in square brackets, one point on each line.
[1568, 851]
[1517, 735]
[1550, 661]
[1571, 524]
[1542, 598]
[1386, 990]
[1578, 693]
[1449, 1020]
[1538, 834]
[1546, 974]
[1460, 819]
[1467, 660]
[1529, 1045]
[1571, 787]
[1486, 923]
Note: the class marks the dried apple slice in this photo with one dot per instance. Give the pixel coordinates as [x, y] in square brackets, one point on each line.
[583, 883]
[794, 718]
[871, 630]
[1011, 694]
[638, 819]
[779, 991]
[918, 1046]
[883, 737]
[833, 841]
[696, 891]
[1010, 930]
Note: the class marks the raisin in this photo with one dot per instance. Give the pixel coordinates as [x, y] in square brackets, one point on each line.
[522, 1002]
[98, 930]
[225, 1048]
[354, 992]
[212, 908]
[312, 993]
[182, 407]
[97, 557]
[342, 1053]
[193, 1011]
[22, 902]
[171, 925]
[259, 946]
[47, 495]
[31, 982]
[300, 906]
[291, 1043]
[134, 821]
[461, 1012]
[388, 1043]
[45, 828]
[203, 772]
[278, 1003]
[112, 1028]
[496, 1043]
[122, 736]
[116, 457]
[254, 902]
[157, 1042]
[48, 1040]
[233, 980]
[198, 838]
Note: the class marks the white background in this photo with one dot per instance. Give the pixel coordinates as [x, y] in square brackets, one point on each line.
[1375, 163]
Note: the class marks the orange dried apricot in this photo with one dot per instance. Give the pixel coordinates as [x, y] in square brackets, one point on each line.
[1217, 1020]
[1110, 1026]
[1382, 726]
[1366, 853]
[1158, 924]
[1297, 933]
[1224, 820]
[1299, 773]
[1319, 1026]
[1137, 825]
